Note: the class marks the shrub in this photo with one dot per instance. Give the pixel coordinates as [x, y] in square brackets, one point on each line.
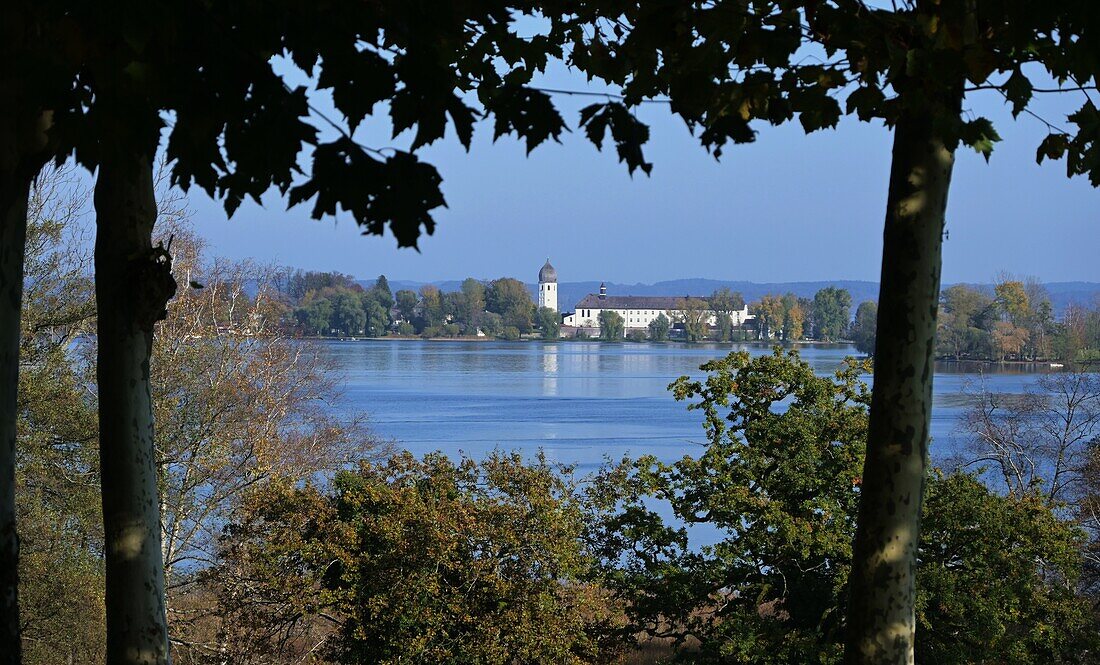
[426, 561]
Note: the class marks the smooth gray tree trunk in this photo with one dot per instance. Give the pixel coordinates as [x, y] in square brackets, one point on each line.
[133, 283]
[14, 190]
[881, 624]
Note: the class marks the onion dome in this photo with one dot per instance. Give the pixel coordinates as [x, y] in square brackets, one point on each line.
[548, 274]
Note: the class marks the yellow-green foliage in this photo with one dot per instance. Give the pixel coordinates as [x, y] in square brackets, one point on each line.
[425, 561]
[779, 481]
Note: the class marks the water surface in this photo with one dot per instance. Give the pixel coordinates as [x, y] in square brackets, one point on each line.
[579, 401]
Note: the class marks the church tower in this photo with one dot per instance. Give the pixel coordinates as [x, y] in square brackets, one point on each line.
[548, 286]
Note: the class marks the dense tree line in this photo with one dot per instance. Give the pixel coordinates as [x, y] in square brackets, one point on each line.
[334, 304]
[328, 304]
[1014, 322]
[786, 318]
[824, 317]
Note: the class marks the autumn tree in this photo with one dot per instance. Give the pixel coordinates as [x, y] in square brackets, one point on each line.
[1025, 305]
[418, 559]
[1008, 340]
[56, 488]
[1079, 334]
[1014, 301]
[794, 318]
[965, 318]
[510, 298]
[770, 314]
[240, 406]
[723, 303]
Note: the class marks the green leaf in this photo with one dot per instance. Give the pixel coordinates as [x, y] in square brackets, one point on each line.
[866, 102]
[629, 133]
[358, 80]
[821, 112]
[594, 119]
[1054, 146]
[529, 114]
[980, 63]
[1018, 90]
[979, 135]
[398, 193]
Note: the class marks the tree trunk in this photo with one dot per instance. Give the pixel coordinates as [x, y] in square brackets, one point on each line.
[14, 190]
[881, 622]
[133, 283]
[25, 146]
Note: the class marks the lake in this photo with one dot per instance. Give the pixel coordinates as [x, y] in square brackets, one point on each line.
[578, 401]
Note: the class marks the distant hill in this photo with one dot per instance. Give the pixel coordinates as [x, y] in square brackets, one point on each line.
[1062, 294]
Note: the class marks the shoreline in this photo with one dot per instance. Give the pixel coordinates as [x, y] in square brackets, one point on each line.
[1046, 363]
[567, 340]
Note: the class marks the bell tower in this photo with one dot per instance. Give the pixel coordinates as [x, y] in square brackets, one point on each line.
[548, 286]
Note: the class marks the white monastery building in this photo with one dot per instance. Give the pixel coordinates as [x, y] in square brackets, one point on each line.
[637, 311]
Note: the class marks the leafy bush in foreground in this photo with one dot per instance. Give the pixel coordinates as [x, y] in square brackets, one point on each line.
[421, 561]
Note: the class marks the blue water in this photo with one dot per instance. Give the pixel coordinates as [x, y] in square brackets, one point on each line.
[580, 402]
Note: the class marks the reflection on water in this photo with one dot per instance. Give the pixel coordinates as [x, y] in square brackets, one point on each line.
[975, 367]
[581, 401]
[550, 370]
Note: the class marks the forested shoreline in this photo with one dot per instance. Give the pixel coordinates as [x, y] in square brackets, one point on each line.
[1013, 322]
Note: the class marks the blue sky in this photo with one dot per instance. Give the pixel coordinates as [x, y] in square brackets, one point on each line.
[790, 207]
